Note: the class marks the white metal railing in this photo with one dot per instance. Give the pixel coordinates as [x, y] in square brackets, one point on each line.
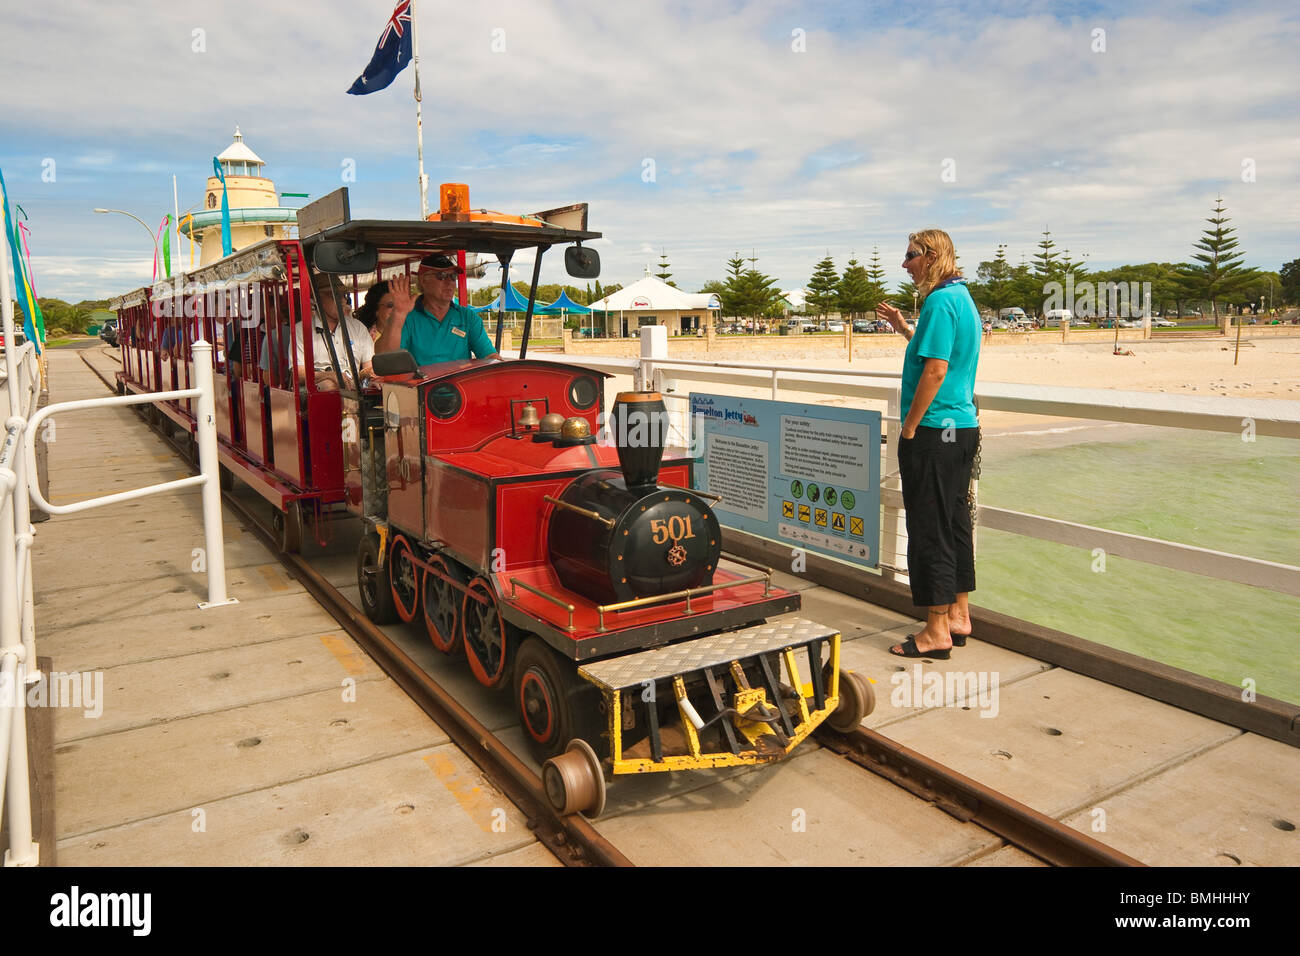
[675, 378]
[17, 631]
[17, 493]
[207, 480]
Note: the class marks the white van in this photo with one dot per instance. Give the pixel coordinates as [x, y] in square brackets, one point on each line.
[1056, 316]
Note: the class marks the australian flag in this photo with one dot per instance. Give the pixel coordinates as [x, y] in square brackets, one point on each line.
[392, 53]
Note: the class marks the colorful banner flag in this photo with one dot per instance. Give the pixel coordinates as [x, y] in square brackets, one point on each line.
[167, 245]
[392, 53]
[225, 209]
[32, 318]
[165, 233]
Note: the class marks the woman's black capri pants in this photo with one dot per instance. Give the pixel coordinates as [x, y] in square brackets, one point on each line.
[940, 541]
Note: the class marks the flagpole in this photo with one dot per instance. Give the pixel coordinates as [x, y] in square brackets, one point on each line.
[419, 121]
[176, 223]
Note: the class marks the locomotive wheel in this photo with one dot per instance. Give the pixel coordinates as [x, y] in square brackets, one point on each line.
[485, 634]
[442, 604]
[287, 525]
[553, 703]
[857, 699]
[574, 781]
[372, 582]
[405, 577]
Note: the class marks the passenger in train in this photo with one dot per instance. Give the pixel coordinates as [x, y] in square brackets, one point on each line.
[433, 328]
[377, 309]
[937, 443]
[327, 323]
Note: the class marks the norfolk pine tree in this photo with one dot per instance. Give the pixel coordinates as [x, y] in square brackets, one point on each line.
[823, 287]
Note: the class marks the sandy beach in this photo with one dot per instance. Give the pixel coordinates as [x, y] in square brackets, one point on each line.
[1268, 368]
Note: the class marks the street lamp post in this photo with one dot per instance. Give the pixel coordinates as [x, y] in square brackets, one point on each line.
[144, 224]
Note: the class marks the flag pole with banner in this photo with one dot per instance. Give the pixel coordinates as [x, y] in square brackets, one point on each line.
[395, 49]
[32, 319]
[419, 126]
[225, 208]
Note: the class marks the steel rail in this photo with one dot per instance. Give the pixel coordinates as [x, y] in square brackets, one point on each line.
[573, 840]
[970, 801]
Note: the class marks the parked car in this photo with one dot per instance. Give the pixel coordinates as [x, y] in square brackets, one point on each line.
[1163, 323]
[108, 332]
[835, 326]
[863, 326]
[19, 337]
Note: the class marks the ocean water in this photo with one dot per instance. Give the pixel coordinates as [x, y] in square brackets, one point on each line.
[1209, 490]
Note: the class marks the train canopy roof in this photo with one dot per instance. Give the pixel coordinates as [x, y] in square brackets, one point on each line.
[399, 240]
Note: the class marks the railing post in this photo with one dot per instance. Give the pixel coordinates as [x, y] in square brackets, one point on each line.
[209, 467]
[893, 527]
[654, 345]
[17, 796]
[24, 533]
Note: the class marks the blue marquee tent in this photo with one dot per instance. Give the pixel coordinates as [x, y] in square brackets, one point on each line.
[514, 302]
[565, 304]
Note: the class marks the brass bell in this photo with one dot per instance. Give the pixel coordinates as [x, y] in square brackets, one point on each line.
[528, 417]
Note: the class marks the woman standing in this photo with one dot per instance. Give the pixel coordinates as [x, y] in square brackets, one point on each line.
[937, 443]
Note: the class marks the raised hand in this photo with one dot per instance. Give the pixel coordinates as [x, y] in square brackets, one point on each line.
[891, 315]
[403, 300]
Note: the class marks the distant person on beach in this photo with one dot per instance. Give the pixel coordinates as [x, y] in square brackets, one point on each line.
[937, 443]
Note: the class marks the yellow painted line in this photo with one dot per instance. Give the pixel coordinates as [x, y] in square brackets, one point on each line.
[345, 652]
[275, 578]
[477, 802]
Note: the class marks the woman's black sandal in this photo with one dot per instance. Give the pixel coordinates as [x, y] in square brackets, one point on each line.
[910, 650]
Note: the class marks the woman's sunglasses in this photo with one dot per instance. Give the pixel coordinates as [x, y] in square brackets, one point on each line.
[912, 254]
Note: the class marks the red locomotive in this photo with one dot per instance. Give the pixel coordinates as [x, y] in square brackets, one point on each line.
[558, 547]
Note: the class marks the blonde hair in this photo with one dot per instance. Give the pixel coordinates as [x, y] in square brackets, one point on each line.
[939, 244]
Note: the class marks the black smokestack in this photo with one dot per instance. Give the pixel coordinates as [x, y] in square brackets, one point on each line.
[640, 432]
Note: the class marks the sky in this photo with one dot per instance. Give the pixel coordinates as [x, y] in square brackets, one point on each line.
[782, 131]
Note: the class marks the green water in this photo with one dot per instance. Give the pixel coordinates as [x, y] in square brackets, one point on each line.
[1209, 490]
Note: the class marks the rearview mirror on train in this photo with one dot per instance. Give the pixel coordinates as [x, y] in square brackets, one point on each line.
[581, 262]
[347, 256]
[397, 362]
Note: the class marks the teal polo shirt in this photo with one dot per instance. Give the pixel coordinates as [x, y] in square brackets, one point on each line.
[459, 334]
[949, 329]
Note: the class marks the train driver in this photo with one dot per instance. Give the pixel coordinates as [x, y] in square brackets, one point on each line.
[433, 328]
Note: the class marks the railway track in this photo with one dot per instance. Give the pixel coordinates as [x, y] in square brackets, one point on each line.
[575, 841]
